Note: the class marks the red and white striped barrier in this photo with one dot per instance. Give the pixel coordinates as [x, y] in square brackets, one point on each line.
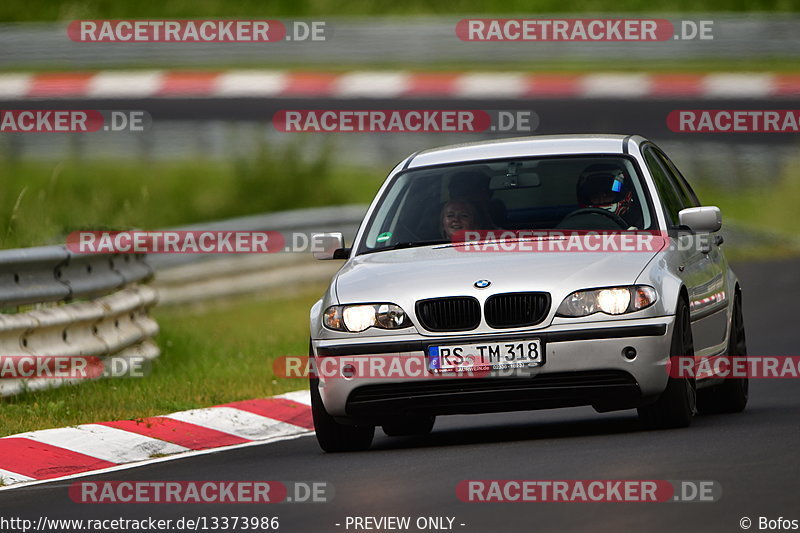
[390, 84]
[65, 452]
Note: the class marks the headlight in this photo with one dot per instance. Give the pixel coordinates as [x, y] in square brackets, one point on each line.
[359, 317]
[612, 301]
[356, 318]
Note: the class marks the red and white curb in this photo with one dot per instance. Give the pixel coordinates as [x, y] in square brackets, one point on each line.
[393, 84]
[91, 448]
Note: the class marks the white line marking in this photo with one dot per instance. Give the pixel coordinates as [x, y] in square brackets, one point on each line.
[741, 85]
[486, 85]
[237, 422]
[15, 85]
[299, 396]
[615, 85]
[266, 430]
[124, 84]
[192, 453]
[8, 477]
[371, 84]
[250, 83]
[107, 443]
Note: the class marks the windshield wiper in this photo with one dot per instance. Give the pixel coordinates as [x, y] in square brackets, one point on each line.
[409, 244]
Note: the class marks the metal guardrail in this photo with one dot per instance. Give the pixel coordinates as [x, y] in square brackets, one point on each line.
[81, 306]
[97, 305]
[405, 40]
[314, 219]
[116, 328]
[183, 278]
[54, 273]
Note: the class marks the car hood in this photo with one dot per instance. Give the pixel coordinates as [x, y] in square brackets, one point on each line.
[407, 275]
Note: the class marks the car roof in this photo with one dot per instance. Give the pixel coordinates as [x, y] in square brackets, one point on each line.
[542, 145]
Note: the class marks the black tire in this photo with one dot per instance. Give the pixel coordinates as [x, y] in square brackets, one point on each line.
[732, 394]
[677, 405]
[410, 426]
[335, 437]
[331, 435]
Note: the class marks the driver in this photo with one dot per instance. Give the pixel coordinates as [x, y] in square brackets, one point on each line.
[605, 186]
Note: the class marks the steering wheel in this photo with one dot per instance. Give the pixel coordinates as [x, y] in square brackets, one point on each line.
[618, 220]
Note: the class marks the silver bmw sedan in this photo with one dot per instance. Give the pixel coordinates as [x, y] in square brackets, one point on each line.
[522, 274]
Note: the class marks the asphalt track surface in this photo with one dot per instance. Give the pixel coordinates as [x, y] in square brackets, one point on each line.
[753, 455]
[643, 116]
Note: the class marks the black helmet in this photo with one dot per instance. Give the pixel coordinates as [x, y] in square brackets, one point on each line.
[605, 186]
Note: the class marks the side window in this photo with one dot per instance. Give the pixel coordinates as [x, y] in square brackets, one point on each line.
[688, 197]
[666, 190]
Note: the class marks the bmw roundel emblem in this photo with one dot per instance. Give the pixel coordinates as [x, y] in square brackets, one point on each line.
[482, 283]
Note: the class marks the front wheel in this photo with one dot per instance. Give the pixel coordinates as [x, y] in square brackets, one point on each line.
[732, 394]
[677, 405]
[333, 436]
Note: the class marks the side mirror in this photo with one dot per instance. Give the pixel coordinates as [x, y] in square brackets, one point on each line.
[328, 246]
[706, 219]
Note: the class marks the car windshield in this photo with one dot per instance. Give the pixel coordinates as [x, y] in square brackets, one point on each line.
[431, 205]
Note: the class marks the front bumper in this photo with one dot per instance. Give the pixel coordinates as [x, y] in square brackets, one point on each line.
[583, 366]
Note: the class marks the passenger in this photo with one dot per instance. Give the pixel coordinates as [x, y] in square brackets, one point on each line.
[473, 186]
[458, 216]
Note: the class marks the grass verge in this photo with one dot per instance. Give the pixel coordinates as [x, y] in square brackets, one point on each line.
[761, 217]
[41, 202]
[770, 207]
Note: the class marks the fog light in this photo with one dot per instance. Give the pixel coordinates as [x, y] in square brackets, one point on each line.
[629, 353]
[348, 371]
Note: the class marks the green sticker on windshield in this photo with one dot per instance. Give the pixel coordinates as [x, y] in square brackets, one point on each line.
[385, 236]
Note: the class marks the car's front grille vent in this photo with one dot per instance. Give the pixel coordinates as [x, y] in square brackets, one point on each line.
[457, 313]
[516, 309]
[424, 390]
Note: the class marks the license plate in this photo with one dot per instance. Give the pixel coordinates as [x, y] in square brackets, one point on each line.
[485, 356]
